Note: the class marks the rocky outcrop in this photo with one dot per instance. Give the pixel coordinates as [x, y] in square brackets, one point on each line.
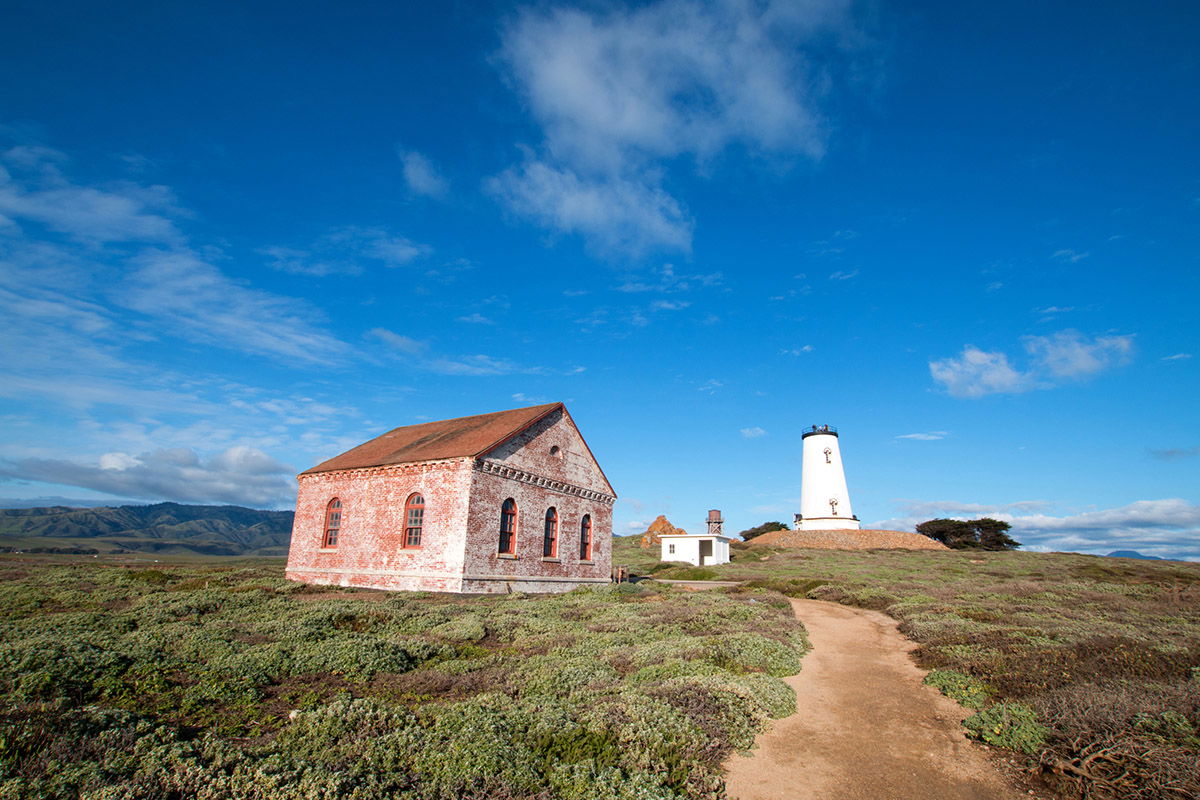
[653, 535]
[848, 540]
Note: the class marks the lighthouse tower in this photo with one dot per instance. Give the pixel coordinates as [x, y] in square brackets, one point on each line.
[824, 499]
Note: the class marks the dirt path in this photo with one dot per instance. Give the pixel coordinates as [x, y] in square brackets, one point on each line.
[866, 727]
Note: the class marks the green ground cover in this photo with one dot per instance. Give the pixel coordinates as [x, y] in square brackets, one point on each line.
[1090, 665]
[203, 681]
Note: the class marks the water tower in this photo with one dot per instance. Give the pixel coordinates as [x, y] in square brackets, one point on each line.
[824, 499]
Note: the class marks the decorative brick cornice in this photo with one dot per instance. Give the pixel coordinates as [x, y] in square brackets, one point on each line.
[514, 474]
[390, 469]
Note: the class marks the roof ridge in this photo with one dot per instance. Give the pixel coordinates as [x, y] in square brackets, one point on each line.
[458, 437]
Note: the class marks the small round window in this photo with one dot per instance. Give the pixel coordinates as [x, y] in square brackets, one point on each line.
[555, 451]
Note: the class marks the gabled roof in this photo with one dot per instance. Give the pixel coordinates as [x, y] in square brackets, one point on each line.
[448, 438]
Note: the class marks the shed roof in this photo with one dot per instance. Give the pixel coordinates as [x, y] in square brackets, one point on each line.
[430, 441]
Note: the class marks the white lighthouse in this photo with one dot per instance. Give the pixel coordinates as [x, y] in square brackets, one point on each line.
[824, 499]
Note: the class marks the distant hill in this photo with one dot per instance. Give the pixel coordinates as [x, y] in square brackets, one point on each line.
[1132, 554]
[158, 528]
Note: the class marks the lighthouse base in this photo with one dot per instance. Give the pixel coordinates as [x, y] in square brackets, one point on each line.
[826, 523]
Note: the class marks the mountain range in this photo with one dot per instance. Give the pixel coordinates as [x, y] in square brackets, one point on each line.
[159, 528]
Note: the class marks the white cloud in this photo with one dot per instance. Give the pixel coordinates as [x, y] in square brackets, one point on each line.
[1070, 354]
[669, 280]
[669, 305]
[753, 433]
[422, 176]
[343, 251]
[621, 91]
[1064, 356]
[671, 77]
[927, 436]
[1169, 528]
[474, 365]
[975, 373]
[612, 213]
[843, 276]
[191, 298]
[1069, 256]
[476, 319]
[1177, 357]
[521, 397]
[797, 351]
[119, 212]
[239, 474]
[710, 386]
[396, 341]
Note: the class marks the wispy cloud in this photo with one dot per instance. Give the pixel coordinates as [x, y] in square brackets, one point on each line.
[1064, 356]
[668, 280]
[475, 319]
[927, 436]
[240, 475]
[753, 433]
[191, 298]
[1169, 528]
[344, 251]
[422, 176]
[841, 275]
[398, 342]
[1176, 453]
[796, 351]
[476, 365]
[36, 191]
[619, 92]
[1069, 256]
[1177, 357]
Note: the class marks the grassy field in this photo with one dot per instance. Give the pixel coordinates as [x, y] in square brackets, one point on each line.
[216, 678]
[1089, 665]
[225, 681]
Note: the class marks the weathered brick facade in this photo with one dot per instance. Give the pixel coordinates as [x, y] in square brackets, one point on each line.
[535, 456]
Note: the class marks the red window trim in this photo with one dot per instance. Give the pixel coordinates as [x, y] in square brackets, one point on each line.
[508, 528]
[414, 503]
[333, 524]
[585, 538]
[550, 534]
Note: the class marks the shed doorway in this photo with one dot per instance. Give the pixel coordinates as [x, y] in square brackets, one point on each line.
[705, 550]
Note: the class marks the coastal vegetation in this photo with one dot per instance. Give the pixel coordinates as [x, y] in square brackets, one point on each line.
[1088, 666]
[227, 681]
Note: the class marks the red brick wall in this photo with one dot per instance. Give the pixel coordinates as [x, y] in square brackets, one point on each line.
[369, 551]
[548, 465]
[488, 571]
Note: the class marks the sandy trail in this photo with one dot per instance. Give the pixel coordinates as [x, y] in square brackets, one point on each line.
[866, 727]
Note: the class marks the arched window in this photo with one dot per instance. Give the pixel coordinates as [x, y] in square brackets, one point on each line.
[414, 520]
[333, 522]
[508, 526]
[550, 536]
[585, 538]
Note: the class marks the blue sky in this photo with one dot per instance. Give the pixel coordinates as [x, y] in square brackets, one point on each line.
[238, 238]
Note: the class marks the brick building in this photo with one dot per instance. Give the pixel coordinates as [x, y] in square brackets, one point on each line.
[492, 503]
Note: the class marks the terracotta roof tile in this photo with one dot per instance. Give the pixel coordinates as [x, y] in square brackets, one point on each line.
[430, 441]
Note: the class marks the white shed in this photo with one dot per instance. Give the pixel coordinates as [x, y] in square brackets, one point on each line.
[700, 549]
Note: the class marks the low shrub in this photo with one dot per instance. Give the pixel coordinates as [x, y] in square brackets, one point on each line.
[222, 683]
[1010, 725]
[963, 689]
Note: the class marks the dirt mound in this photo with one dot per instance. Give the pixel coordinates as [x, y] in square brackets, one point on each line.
[848, 540]
[660, 527]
